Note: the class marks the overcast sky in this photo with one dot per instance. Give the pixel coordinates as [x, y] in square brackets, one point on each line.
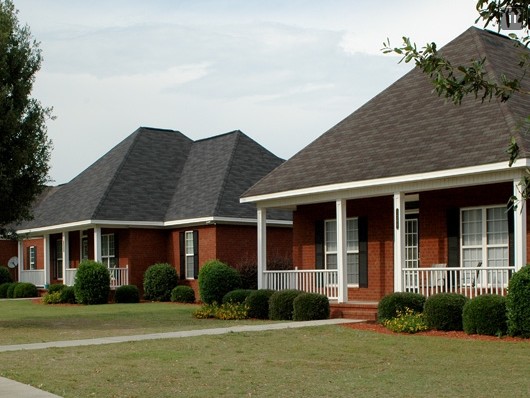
[283, 72]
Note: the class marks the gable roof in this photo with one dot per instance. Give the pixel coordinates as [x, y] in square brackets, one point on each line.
[156, 176]
[408, 129]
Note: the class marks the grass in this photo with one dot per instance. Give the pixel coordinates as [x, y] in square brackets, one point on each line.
[328, 361]
[28, 322]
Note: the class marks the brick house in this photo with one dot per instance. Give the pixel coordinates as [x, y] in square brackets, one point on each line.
[409, 192]
[157, 196]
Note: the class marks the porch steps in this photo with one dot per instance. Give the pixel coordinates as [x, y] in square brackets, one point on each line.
[365, 310]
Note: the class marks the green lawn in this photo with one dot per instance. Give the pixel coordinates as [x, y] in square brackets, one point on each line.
[330, 361]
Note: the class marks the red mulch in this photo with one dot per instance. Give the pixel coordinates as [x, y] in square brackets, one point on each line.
[377, 328]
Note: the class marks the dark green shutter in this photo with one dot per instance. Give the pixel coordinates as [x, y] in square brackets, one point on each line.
[195, 254]
[453, 237]
[182, 243]
[363, 251]
[319, 244]
[511, 241]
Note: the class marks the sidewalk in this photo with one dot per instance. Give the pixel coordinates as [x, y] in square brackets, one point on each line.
[10, 388]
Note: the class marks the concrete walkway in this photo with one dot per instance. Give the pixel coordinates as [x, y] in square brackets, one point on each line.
[10, 388]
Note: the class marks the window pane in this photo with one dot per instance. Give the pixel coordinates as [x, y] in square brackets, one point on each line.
[331, 236]
[472, 227]
[353, 268]
[331, 261]
[497, 226]
[352, 235]
[111, 245]
[189, 243]
[189, 267]
[104, 245]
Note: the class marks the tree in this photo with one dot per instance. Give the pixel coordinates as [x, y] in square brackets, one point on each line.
[454, 82]
[24, 145]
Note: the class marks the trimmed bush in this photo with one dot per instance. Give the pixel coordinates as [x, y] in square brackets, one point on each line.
[56, 287]
[183, 294]
[443, 311]
[310, 306]
[5, 275]
[237, 296]
[92, 283]
[52, 298]
[485, 314]
[3, 289]
[518, 303]
[248, 270]
[11, 290]
[68, 295]
[258, 303]
[127, 294]
[216, 279]
[281, 305]
[159, 280]
[25, 289]
[392, 304]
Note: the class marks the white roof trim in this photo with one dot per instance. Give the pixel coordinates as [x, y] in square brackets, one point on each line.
[379, 182]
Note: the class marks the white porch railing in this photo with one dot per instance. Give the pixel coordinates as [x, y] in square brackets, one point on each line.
[311, 281]
[118, 276]
[469, 281]
[35, 276]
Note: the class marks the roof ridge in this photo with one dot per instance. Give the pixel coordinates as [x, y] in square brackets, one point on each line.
[238, 135]
[219, 136]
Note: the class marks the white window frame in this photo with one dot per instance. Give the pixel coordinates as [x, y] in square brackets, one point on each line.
[32, 257]
[189, 257]
[482, 279]
[352, 244]
[108, 255]
[82, 254]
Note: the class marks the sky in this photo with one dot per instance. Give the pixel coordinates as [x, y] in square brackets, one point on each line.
[283, 72]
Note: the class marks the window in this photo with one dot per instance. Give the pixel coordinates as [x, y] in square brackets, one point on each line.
[485, 239]
[84, 246]
[108, 250]
[189, 254]
[58, 263]
[352, 248]
[32, 257]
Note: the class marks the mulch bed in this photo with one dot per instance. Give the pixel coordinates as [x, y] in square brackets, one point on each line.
[377, 328]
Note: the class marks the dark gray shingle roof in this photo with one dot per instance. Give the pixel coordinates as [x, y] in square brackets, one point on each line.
[160, 175]
[408, 129]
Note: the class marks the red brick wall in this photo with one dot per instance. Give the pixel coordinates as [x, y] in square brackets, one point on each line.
[39, 244]
[140, 248]
[8, 249]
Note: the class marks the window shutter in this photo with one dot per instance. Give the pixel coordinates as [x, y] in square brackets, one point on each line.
[195, 254]
[453, 239]
[511, 241]
[116, 251]
[363, 251]
[182, 244]
[319, 244]
[27, 259]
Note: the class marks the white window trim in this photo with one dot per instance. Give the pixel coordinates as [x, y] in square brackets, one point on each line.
[351, 251]
[84, 236]
[32, 258]
[105, 259]
[188, 255]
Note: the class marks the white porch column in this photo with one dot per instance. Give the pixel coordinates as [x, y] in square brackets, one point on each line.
[262, 246]
[341, 251]
[97, 244]
[46, 255]
[20, 258]
[66, 253]
[519, 238]
[399, 238]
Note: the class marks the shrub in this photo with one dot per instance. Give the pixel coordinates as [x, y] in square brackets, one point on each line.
[11, 290]
[206, 311]
[127, 294]
[5, 275]
[407, 321]
[258, 303]
[226, 311]
[278, 263]
[183, 294]
[485, 315]
[237, 296]
[248, 270]
[281, 305]
[518, 303]
[443, 311]
[25, 289]
[68, 295]
[216, 279]
[394, 303]
[159, 280]
[92, 283]
[52, 298]
[56, 287]
[3, 289]
[310, 306]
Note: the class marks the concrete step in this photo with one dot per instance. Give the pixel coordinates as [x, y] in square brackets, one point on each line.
[354, 310]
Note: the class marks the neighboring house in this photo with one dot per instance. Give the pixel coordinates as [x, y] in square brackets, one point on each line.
[8, 249]
[157, 196]
[408, 193]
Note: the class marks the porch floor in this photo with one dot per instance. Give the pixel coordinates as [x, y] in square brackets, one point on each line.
[364, 310]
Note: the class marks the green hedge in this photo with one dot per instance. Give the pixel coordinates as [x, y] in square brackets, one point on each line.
[5, 275]
[56, 287]
[92, 283]
[127, 294]
[237, 296]
[3, 289]
[159, 280]
[443, 311]
[216, 279]
[518, 303]
[281, 305]
[68, 295]
[485, 314]
[310, 306]
[183, 294]
[391, 304]
[25, 289]
[11, 290]
[258, 303]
